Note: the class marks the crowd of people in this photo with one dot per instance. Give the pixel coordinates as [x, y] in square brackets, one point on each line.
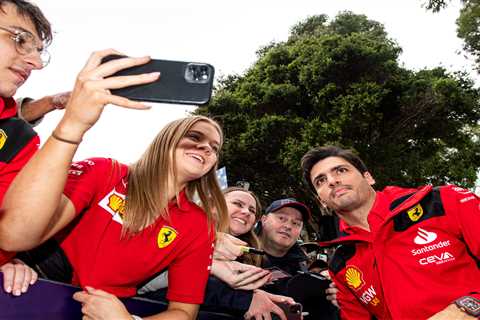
[162, 228]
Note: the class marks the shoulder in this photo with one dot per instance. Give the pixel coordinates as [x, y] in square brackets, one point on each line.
[341, 256]
[97, 165]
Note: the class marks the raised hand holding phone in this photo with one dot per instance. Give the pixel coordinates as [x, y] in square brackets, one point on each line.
[180, 83]
[92, 92]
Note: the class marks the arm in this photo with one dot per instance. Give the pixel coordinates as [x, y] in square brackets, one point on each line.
[465, 207]
[101, 305]
[350, 307]
[33, 110]
[28, 220]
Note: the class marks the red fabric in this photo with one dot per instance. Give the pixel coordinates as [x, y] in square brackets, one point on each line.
[8, 108]
[102, 259]
[411, 273]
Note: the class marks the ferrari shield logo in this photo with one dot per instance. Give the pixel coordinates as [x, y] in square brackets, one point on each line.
[166, 236]
[3, 138]
[415, 213]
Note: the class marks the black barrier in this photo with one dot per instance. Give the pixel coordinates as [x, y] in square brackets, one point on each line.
[53, 301]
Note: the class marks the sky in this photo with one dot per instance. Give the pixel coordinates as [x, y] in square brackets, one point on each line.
[225, 34]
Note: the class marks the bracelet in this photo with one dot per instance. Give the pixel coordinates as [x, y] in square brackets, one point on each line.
[56, 137]
[134, 317]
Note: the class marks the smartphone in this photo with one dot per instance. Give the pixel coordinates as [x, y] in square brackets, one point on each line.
[180, 82]
[292, 311]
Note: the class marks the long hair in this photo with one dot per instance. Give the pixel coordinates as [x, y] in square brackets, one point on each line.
[250, 237]
[155, 173]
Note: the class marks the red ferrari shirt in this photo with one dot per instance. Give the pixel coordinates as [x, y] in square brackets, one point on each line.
[420, 255]
[103, 259]
[18, 143]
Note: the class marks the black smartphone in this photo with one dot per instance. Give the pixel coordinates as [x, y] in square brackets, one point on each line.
[292, 311]
[180, 82]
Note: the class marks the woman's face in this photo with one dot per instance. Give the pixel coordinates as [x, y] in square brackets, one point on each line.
[197, 152]
[241, 211]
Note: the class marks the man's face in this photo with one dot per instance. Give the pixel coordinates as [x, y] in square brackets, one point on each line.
[281, 228]
[340, 186]
[14, 67]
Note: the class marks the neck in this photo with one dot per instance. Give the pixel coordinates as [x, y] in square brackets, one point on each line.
[358, 217]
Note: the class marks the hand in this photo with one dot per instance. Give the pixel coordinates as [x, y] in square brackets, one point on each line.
[264, 303]
[332, 294]
[17, 277]
[227, 247]
[101, 305]
[239, 275]
[92, 92]
[451, 312]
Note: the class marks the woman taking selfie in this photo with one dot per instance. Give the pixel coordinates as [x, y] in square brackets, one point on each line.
[119, 225]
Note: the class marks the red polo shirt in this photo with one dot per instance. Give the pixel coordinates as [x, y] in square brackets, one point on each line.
[103, 259]
[18, 143]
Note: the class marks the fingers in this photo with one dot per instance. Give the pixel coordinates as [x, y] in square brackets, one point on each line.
[251, 276]
[280, 299]
[8, 276]
[110, 67]
[97, 292]
[96, 58]
[81, 296]
[127, 103]
[279, 312]
[251, 283]
[126, 81]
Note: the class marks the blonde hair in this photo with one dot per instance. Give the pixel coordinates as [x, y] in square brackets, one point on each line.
[155, 173]
[250, 237]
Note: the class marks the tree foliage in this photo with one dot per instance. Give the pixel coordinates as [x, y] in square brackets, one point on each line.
[339, 82]
[468, 24]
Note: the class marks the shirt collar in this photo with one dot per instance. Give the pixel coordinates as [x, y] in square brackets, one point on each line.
[8, 108]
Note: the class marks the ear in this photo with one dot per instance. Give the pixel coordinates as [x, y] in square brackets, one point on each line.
[263, 218]
[369, 178]
[321, 203]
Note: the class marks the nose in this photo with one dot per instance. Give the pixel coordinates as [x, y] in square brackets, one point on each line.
[34, 60]
[332, 180]
[205, 147]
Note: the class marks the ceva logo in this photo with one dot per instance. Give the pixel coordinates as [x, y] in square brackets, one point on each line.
[424, 237]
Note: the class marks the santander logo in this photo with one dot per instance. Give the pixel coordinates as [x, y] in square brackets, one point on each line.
[424, 237]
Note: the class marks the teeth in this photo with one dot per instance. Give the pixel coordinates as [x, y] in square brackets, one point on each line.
[197, 157]
[240, 220]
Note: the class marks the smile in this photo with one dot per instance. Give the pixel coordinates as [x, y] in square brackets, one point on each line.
[240, 221]
[197, 157]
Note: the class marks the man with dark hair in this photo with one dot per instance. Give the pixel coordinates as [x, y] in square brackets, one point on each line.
[24, 35]
[404, 253]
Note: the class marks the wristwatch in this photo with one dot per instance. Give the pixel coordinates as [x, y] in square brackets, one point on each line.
[469, 305]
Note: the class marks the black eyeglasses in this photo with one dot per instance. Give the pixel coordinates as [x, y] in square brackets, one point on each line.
[25, 44]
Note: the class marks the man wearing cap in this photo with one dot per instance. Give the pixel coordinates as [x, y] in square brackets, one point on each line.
[279, 230]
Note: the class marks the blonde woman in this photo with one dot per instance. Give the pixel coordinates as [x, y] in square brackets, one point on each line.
[122, 224]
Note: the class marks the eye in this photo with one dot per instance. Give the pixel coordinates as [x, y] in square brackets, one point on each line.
[193, 136]
[320, 181]
[252, 210]
[342, 170]
[297, 223]
[238, 204]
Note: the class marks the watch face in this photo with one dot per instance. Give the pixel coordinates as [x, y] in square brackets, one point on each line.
[471, 305]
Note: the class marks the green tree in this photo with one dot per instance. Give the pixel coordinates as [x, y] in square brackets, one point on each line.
[340, 83]
[468, 24]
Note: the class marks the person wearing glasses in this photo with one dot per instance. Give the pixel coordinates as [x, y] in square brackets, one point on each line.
[24, 35]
